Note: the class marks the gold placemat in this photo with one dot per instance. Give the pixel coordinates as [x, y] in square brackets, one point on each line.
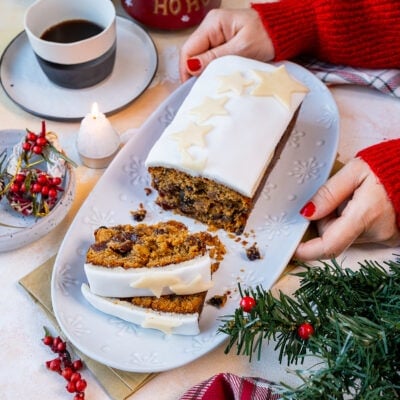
[118, 384]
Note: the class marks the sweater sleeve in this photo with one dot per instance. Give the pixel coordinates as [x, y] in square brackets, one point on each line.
[384, 160]
[360, 33]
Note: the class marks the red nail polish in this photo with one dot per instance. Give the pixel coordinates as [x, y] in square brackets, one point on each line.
[193, 64]
[308, 210]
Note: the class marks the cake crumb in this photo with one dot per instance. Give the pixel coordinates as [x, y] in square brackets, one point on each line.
[139, 214]
[148, 191]
[253, 253]
[218, 301]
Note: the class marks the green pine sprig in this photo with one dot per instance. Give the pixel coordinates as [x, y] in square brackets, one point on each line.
[356, 317]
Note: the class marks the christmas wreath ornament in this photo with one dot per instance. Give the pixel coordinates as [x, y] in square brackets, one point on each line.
[350, 324]
[33, 175]
[3, 157]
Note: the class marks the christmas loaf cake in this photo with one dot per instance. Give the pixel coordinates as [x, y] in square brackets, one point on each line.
[156, 276]
[211, 160]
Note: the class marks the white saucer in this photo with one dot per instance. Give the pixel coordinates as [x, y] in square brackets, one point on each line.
[27, 85]
[17, 230]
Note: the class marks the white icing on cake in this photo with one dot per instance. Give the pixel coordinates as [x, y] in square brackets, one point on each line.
[242, 141]
[192, 276]
[170, 323]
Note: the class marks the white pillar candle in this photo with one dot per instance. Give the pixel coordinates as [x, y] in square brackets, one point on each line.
[97, 141]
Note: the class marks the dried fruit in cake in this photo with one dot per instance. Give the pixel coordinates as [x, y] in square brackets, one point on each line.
[156, 276]
[213, 158]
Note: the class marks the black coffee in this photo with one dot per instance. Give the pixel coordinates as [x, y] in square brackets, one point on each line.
[71, 31]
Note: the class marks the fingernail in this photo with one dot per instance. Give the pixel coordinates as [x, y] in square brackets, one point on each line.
[193, 64]
[308, 210]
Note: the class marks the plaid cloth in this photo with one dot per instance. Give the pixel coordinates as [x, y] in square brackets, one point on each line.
[231, 387]
[385, 80]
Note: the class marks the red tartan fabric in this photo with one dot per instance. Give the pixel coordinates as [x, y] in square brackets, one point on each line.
[386, 81]
[226, 386]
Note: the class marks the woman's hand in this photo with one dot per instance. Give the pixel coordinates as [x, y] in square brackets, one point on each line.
[352, 207]
[225, 32]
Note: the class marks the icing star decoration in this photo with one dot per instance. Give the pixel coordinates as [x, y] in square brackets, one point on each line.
[193, 135]
[235, 82]
[209, 108]
[279, 84]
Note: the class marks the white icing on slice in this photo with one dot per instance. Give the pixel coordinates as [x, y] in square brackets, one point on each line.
[157, 281]
[170, 323]
[241, 143]
[166, 325]
[191, 276]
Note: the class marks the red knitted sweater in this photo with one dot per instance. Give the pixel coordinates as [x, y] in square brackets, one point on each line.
[360, 33]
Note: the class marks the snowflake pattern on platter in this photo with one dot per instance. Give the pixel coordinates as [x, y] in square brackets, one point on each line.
[296, 137]
[146, 359]
[199, 342]
[327, 116]
[65, 279]
[136, 171]
[167, 116]
[98, 218]
[275, 225]
[306, 170]
[122, 328]
[77, 324]
[267, 189]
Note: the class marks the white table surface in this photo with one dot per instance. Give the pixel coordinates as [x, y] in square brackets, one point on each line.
[367, 117]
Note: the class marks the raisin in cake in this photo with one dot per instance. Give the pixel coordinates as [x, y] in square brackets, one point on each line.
[211, 160]
[156, 276]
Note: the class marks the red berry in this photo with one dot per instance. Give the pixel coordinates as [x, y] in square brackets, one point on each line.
[48, 340]
[247, 303]
[54, 365]
[56, 181]
[15, 188]
[26, 146]
[61, 347]
[45, 190]
[71, 387]
[19, 178]
[37, 149]
[79, 396]
[305, 331]
[42, 179]
[56, 341]
[31, 136]
[80, 385]
[36, 188]
[67, 373]
[41, 141]
[77, 365]
[53, 193]
[75, 377]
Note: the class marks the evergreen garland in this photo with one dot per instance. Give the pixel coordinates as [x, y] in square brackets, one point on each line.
[355, 316]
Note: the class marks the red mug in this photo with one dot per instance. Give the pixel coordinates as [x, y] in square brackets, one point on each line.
[169, 14]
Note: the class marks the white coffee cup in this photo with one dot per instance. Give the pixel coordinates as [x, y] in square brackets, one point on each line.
[80, 63]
